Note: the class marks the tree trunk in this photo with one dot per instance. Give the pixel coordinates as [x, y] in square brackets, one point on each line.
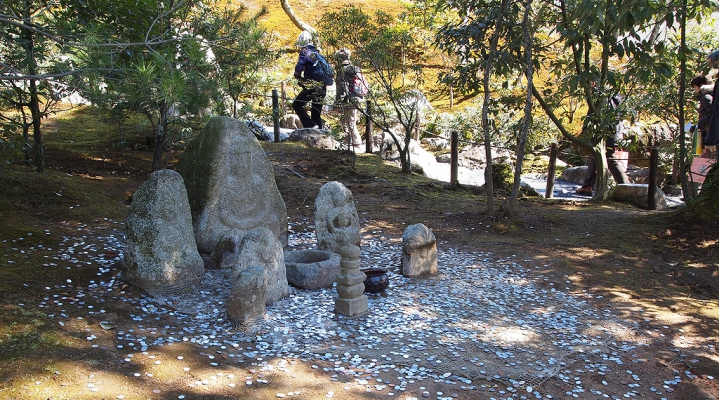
[26, 146]
[303, 26]
[34, 103]
[688, 192]
[600, 161]
[485, 109]
[527, 123]
[36, 133]
[160, 130]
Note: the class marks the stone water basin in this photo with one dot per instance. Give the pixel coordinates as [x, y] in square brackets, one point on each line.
[312, 269]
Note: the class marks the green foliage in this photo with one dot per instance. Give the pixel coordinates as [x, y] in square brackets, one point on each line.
[502, 176]
[706, 206]
[170, 60]
[30, 58]
[243, 52]
[391, 57]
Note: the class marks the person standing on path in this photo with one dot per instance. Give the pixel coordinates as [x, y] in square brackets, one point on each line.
[345, 99]
[313, 92]
[710, 144]
[613, 162]
[703, 89]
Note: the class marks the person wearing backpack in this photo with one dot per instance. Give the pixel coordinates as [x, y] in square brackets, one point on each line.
[314, 83]
[346, 99]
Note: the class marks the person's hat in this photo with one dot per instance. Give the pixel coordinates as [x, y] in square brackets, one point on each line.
[304, 39]
[713, 58]
[343, 55]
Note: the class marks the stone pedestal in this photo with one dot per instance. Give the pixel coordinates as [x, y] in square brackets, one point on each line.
[350, 284]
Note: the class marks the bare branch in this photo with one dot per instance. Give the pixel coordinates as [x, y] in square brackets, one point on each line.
[294, 18]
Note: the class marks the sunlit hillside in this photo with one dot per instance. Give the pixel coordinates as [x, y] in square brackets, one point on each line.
[311, 11]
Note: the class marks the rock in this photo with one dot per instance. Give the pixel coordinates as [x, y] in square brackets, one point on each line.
[574, 174]
[314, 138]
[336, 219]
[436, 143]
[421, 161]
[445, 158]
[260, 248]
[246, 304]
[641, 175]
[160, 247]
[419, 251]
[527, 189]
[312, 269]
[475, 157]
[224, 255]
[230, 184]
[290, 121]
[638, 194]
[265, 134]
[544, 159]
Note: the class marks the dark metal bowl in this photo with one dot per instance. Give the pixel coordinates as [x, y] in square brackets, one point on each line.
[377, 280]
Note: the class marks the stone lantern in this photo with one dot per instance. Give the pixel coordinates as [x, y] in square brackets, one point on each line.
[350, 283]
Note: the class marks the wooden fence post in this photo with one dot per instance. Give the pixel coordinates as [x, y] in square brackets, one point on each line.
[276, 114]
[653, 171]
[283, 105]
[368, 129]
[549, 193]
[454, 160]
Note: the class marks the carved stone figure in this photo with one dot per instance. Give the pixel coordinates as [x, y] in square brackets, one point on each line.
[336, 219]
[230, 184]
[419, 251]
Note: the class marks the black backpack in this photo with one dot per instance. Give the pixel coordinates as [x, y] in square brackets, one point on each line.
[323, 71]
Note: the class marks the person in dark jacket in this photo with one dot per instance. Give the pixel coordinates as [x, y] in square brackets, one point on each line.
[312, 92]
[710, 143]
[703, 88]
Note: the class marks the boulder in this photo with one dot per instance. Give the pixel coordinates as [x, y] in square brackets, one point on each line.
[475, 157]
[336, 219]
[224, 255]
[230, 184]
[312, 269]
[160, 248]
[266, 134]
[436, 143]
[246, 304]
[638, 194]
[421, 161]
[290, 121]
[574, 174]
[259, 247]
[419, 251]
[314, 138]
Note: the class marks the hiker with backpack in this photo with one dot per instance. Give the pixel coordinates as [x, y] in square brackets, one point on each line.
[348, 96]
[314, 74]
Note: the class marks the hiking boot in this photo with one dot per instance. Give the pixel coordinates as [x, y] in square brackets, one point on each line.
[584, 191]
